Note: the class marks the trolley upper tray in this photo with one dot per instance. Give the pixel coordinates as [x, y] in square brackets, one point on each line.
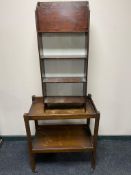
[37, 111]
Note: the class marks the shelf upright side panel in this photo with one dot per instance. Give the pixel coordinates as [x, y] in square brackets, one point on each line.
[40, 50]
[86, 62]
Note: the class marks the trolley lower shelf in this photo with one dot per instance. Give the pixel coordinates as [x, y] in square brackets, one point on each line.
[62, 138]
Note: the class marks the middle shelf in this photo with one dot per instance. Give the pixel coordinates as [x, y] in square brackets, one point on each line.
[64, 79]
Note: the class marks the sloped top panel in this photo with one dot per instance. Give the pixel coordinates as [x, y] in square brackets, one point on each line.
[62, 16]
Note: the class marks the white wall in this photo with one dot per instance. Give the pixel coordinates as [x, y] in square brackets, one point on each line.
[109, 64]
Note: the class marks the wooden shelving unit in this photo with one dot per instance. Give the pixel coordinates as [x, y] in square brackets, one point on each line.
[52, 17]
[62, 17]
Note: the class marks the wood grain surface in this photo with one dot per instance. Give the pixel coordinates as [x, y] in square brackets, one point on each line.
[62, 17]
[62, 138]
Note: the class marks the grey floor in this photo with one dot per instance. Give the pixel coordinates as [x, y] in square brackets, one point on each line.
[113, 158]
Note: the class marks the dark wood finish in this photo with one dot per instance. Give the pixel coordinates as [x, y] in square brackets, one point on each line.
[62, 138]
[96, 127]
[64, 79]
[36, 124]
[29, 139]
[92, 102]
[37, 111]
[62, 16]
[42, 64]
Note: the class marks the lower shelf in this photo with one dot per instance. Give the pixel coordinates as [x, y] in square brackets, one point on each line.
[62, 138]
[66, 100]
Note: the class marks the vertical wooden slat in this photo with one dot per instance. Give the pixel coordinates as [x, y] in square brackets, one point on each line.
[40, 50]
[29, 139]
[96, 127]
[36, 124]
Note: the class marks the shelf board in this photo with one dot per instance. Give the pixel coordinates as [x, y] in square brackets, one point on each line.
[64, 79]
[66, 100]
[42, 57]
[61, 138]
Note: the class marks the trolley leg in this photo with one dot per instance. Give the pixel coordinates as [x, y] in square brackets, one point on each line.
[32, 161]
[93, 157]
[28, 132]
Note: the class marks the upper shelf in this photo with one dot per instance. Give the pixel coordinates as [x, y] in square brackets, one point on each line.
[63, 57]
[62, 16]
